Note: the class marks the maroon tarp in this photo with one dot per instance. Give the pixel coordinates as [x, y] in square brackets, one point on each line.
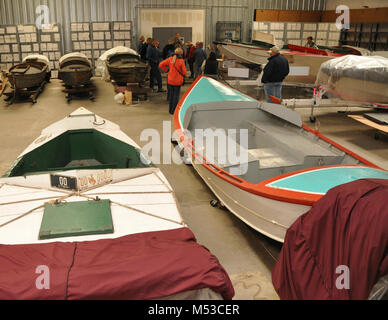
[140, 266]
[347, 227]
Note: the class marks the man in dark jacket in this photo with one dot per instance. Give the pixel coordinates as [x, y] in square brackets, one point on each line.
[153, 57]
[274, 73]
[144, 47]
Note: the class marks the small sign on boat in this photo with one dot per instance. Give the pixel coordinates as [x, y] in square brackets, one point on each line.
[96, 179]
[63, 182]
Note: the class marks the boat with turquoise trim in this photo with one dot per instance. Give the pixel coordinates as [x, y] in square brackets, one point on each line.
[281, 167]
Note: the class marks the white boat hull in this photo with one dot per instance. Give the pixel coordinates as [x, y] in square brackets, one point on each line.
[245, 53]
[269, 217]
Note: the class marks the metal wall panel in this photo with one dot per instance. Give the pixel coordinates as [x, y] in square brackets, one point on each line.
[66, 11]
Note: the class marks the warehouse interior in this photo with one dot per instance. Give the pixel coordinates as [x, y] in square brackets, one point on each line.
[252, 259]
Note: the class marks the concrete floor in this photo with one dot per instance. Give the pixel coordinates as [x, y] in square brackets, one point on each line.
[247, 256]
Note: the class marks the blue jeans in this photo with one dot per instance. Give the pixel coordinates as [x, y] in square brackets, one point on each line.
[273, 89]
[174, 97]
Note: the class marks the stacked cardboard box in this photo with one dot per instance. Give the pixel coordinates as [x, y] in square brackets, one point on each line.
[122, 33]
[51, 46]
[9, 47]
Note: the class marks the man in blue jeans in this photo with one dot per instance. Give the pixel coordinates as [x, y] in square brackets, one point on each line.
[274, 73]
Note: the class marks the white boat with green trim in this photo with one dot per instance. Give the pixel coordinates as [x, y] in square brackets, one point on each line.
[83, 180]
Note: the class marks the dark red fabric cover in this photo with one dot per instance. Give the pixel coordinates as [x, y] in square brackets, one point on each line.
[141, 266]
[348, 226]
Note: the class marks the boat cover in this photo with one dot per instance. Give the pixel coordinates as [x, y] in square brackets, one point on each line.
[367, 68]
[40, 58]
[347, 228]
[139, 266]
[101, 62]
[74, 55]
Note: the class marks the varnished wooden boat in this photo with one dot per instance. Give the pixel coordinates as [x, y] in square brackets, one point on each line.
[75, 69]
[126, 68]
[29, 74]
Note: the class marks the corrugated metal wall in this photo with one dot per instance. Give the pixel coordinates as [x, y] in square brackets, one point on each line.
[66, 11]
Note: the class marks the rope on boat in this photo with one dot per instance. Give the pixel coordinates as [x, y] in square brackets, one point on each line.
[138, 210]
[80, 194]
[34, 209]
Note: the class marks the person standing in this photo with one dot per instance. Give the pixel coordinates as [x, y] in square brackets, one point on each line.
[140, 44]
[153, 57]
[310, 43]
[176, 68]
[168, 50]
[178, 42]
[200, 57]
[143, 50]
[274, 73]
[211, 66]
[190, 57]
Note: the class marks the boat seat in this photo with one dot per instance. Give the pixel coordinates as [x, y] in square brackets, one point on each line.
[300, 144]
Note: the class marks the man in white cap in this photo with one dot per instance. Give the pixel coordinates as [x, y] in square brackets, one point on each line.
[274, 73]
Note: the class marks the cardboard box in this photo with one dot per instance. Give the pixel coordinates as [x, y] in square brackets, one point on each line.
[11, 29]
[2, 30]
[16, 57]
[15, 48]
[13, 38]
[101, 45]
[45, 38]
[76, 46]
[57, 37]
[36, 47]
[43, 46]
[74, 36]
[88, 45]
[108, 36]
[26, 47]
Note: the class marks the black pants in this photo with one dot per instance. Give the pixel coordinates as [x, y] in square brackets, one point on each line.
[174, 97]
[191, 66]
[155, 75]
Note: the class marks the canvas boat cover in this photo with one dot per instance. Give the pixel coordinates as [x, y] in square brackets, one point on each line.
[140, 266]
[347, 228]
[71, 55]
[101, 62]
[367, 68]
[40, 58]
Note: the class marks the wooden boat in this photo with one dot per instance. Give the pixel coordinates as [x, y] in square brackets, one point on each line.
[126, 68]
[85, 203]
[356, 78]
[282, 167]
[75, 69]
[247, 53]
[29, 74]
[305, 63]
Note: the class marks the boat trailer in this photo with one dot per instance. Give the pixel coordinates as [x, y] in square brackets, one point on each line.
[79, 91]
[319, 101]
[24, 94]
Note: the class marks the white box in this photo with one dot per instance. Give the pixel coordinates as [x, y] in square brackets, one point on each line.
[57, 55]
[2, 30]
[74, 36]
[299, 71]
[108, 44]
[16, 57]
[57, 37]
[76, 46]
[95, 45]
[43, 46]
[82, 45]
[88, 45]
[11, 29]
[35, 47]
[238, 72]
[45, 38]
[26, 47]
[101, 45]
[15, 48]
[86, 27]
[107, 36]
[13, 38]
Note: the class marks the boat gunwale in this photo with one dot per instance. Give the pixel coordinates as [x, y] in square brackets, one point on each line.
[261, 188]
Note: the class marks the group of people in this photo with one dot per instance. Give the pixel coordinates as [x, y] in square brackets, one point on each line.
[172, 59]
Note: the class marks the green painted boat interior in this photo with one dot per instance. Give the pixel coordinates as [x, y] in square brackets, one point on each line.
[69, 219]
[78, 149]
